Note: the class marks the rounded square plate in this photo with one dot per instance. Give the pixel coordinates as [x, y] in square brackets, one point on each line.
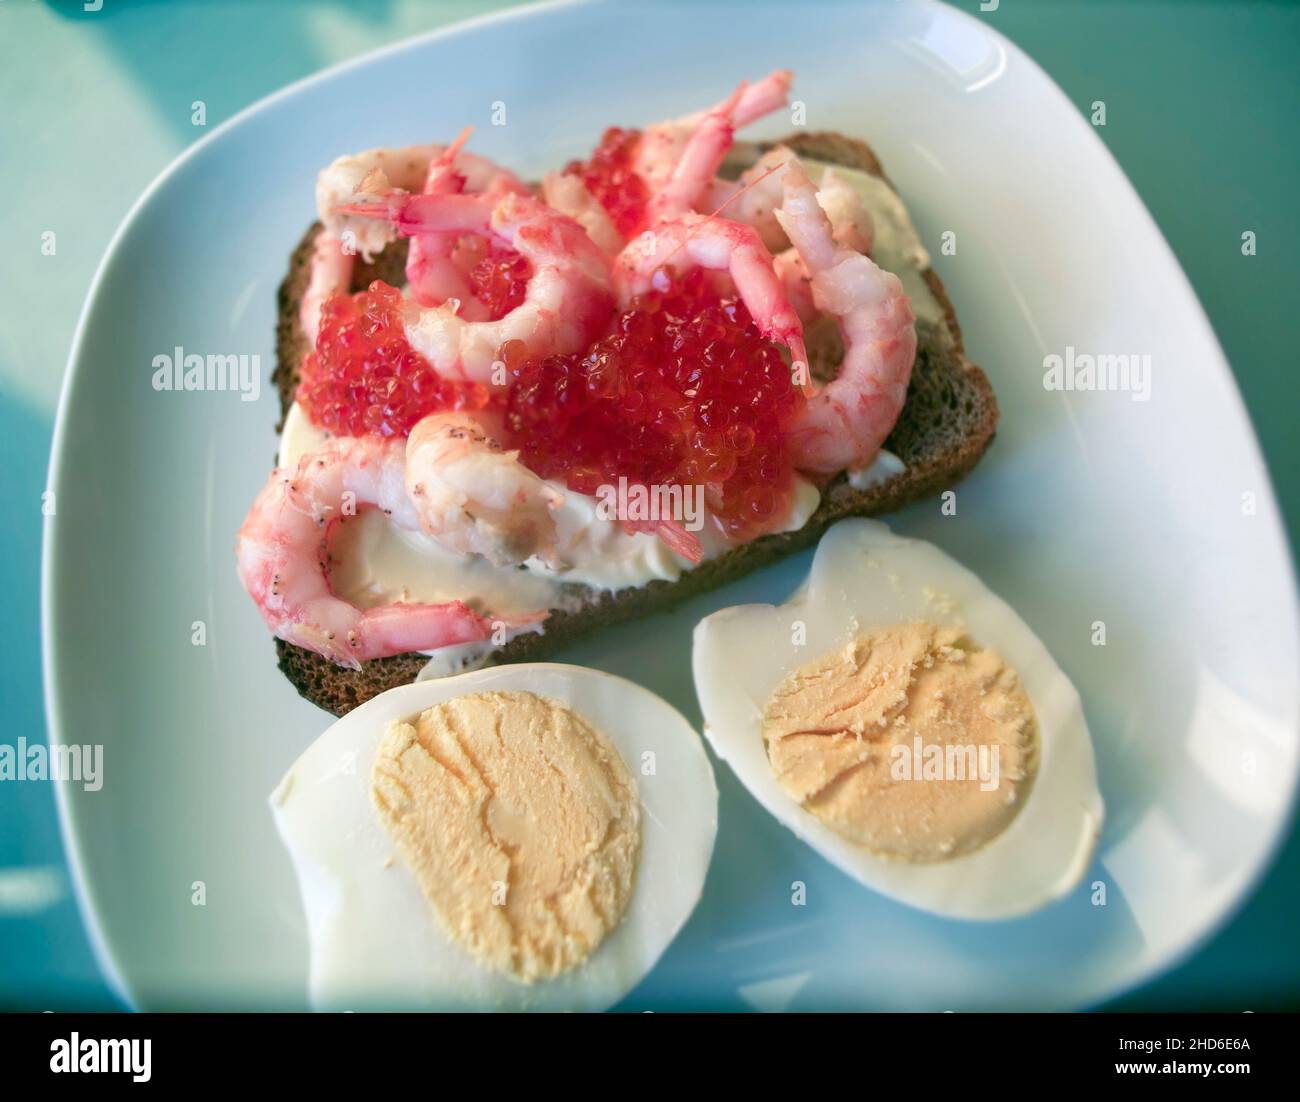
[1149, 513]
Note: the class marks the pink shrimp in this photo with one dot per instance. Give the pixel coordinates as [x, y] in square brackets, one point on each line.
[793, 274]
[282, 547]
[661, 146]
[851, 223]
[717, 244]
[674, 533]
[761, 98]
[844, 423]
[378, 173]
[438, 265]
[431, 275]
[330, 272]
[568, 300]
[476, 498]
[569, 195]
[756, 197]
[851, 226]
[697, 163]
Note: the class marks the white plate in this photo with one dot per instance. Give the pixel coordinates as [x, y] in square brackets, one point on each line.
[1091, 507]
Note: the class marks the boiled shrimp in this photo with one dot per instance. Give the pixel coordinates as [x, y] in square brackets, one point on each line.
[438, 264]
[282, 551]
[477, 498]
[378, 173]
[844, 423]
[569, 195]
[697, 163]
[851, 224]
[473, 496]
[754, 198]
[567, 301]
[758, 197]
[329, 273]
[660, 148]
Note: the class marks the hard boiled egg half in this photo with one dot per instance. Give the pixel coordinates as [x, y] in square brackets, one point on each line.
[527, 837]
[907, 724]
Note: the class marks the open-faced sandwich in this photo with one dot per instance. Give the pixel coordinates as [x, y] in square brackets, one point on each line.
[515, 413]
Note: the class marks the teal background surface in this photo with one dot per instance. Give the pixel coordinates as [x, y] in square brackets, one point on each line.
[1202, 102]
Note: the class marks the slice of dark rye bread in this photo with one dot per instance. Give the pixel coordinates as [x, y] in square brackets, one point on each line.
[948, 422]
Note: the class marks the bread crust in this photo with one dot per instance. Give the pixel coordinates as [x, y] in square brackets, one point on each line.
[947, 424]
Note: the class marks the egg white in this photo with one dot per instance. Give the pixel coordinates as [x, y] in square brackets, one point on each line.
[374, 941]
[864, 578]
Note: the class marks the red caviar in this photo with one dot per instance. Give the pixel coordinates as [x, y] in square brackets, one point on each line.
[684, 390]
[365, 378]
[497, 274]
[610, 179]
[500, 281]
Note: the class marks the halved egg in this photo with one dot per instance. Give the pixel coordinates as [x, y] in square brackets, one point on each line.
[906, 723]
[527, 837]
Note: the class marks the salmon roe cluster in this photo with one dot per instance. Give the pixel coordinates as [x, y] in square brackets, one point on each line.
[609, 177]
[364, 378]
[684, 390]
[500, 278]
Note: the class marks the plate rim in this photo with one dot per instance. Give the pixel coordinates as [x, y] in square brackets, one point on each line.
[1269, 510]
[68, 836]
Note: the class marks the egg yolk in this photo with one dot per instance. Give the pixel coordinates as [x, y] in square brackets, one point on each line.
[520, 822]
[911, 741]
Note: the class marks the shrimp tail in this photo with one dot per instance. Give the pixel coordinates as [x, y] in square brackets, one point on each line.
[673, 533]
[399, 628]
[412, 215]
[685, 543]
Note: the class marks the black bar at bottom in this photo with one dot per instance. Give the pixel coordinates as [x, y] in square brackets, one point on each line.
[365, 1050]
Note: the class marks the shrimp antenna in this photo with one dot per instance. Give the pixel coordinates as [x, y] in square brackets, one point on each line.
[752, 184]
[730, 199]
[452, 150]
